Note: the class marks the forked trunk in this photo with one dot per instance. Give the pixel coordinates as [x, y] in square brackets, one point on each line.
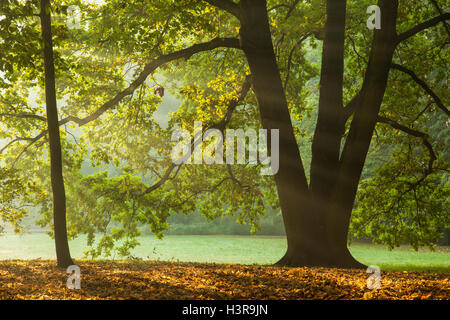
[316, 219]
[307, 240]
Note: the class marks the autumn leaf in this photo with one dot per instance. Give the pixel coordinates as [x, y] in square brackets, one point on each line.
[102, 280]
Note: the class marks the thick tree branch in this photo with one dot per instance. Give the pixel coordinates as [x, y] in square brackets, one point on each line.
[227, 5]
[423, 84]
[396, 125]
[420, 27]
[149, 69]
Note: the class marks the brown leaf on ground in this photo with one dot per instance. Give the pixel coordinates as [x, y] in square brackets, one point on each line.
[39, 279]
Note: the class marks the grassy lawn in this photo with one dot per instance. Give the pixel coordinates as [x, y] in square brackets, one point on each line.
[228, 249]
[403, 258]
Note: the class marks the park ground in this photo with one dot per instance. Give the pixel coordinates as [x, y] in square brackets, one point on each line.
[217, 267]
[153, 280]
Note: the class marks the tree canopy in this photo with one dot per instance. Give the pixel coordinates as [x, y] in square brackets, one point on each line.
[113, 113]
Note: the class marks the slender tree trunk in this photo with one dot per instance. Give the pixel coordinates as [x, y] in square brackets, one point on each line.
[59, 196]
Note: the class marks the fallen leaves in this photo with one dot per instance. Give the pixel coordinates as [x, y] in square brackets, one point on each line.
[39, 279]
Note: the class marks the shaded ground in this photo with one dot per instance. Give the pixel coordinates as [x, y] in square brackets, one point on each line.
[39, 279]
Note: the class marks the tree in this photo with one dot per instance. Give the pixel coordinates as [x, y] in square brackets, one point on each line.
[317, 210]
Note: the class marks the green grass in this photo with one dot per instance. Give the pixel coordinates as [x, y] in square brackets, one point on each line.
[403, 258]
[228, 249]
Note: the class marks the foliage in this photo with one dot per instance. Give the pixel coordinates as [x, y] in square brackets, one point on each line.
[115, 46]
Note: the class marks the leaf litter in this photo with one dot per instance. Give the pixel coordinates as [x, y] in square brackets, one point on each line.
[104, 280]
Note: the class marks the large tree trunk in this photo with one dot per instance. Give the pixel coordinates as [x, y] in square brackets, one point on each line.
[59, 196]
[317, 218]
